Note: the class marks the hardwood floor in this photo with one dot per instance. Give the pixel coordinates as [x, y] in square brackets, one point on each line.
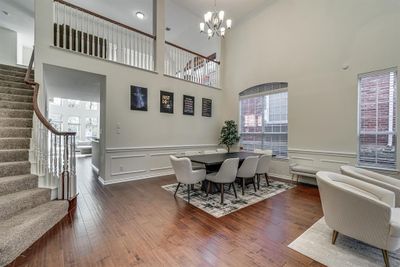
[139, 223]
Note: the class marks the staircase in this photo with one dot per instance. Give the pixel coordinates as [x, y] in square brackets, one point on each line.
[26, 211]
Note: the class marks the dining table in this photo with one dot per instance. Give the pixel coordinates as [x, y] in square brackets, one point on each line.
[213, 162]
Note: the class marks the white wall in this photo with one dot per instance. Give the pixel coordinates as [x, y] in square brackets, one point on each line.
[306, 43]
[146, 139]
[8, 46]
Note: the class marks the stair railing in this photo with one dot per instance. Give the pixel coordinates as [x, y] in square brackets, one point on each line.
[53, 150]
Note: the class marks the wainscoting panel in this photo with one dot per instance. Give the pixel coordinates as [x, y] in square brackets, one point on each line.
[322, 160]
[134, 163]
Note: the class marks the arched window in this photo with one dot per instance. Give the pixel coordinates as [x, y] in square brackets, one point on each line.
[264, 118]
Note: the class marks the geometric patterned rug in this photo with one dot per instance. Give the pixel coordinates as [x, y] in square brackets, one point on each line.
[315, 243]
[212, 204]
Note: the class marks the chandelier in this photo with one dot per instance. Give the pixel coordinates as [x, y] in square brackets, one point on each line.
[215, 23]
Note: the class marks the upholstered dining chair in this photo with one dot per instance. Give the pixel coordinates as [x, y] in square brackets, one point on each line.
[195, 166]
[263, 168]
[375, 178]
[226, 175]
[248, 171]
[360, 210]
[185, 174]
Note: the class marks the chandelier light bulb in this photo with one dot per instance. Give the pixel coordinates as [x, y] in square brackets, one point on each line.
[202, 25]
[209, 32]
[207, 16]
[229, 23]
[221, 15]
[223, 31]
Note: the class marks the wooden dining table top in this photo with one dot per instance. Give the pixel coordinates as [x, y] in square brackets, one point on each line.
[219, 158]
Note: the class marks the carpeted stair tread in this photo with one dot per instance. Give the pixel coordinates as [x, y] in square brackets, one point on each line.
[14, 168]
[16, 91]
[16, 98]
[15, 113]
[14, 155]
[15, 105]
[11, 78]
[19, 132]
[12, 184]
[14, 203]
[13, 68]
[15, 73]
[16, 122]
[15, 143]
[14, 84]
[19, 232]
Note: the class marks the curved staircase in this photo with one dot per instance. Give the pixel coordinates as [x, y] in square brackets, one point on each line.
[26, 211]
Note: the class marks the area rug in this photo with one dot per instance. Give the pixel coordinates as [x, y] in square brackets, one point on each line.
[212, 204]
[347, 252]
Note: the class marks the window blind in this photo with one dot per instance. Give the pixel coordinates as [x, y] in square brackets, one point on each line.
[377, 116]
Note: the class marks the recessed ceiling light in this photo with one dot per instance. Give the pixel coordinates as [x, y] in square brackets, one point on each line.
[4, 12]
[139, 15]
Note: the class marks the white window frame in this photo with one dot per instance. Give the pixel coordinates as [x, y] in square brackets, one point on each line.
[359, 77]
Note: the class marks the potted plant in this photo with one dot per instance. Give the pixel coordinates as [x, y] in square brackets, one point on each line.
[229, 134]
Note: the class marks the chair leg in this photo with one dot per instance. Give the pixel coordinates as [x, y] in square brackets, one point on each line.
[258, 181]
[177, 187]
[386, 257]
[254, 184]
[334, 236]
[266, 178]
[188, 193]
[243, 184]
[222, 193]
[208, 188]
[234, 189]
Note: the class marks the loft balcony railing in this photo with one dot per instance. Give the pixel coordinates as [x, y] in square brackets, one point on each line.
[83, 31]
[187, 65]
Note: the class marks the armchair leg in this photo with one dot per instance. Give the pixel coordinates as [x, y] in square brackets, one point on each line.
[243, 184]
[222, 193]
[386, 257]
[258, 181]
[177, 187]
[234, 189]
[334, 236]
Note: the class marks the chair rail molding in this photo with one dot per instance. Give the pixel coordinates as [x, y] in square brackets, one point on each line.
[160, 148]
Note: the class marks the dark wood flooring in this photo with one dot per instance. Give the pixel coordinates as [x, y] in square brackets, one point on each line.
[140, 224]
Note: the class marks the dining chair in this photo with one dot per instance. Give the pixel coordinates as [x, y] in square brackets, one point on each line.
[248, 171]
[222, 150]
[263, 168]
[195, 166]
[185, 174]
[226, 175]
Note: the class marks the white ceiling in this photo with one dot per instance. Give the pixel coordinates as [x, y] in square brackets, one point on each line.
[72, 84]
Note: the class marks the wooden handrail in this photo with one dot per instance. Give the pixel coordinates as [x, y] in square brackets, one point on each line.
[105, 18]
[35, 87]
[192, 52]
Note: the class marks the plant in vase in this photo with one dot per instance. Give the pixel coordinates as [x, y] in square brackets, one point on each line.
[229, 134]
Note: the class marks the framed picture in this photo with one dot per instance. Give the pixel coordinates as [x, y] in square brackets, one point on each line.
[138, 98]
[166, 102]
[206, 107]
[188, 105]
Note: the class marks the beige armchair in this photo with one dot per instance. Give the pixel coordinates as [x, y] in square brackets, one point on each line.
[360, 210]
[375, 178]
